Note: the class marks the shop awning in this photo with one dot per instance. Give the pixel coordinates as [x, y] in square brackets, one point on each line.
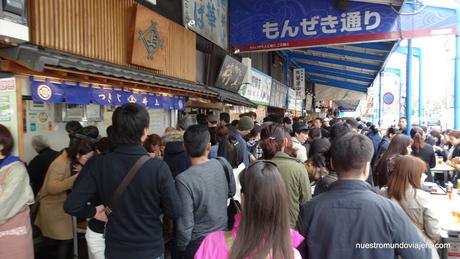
[37, 59]
[352, 67]
[232, 98]
[347, 106]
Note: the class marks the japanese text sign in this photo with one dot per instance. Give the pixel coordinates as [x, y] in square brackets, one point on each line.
[259, 90]
[279, 24]
[207, 18]
[299, 83]
[45, 91]
[231, 74]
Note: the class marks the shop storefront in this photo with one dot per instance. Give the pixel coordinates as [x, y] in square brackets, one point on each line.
[76, 67]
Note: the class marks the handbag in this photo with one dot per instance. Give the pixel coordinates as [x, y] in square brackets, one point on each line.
[234, 207]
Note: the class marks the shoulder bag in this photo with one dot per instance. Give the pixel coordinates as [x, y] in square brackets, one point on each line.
[234, 206]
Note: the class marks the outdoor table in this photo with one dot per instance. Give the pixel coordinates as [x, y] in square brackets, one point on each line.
[445, 170]
[450, 225]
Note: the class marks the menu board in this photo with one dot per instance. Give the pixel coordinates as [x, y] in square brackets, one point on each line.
[8, 108]
[259, 90]
[278, 94]
[299, 82]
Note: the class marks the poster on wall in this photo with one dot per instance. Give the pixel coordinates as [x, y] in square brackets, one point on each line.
[8, 108]
[231, 74]
[207, 18]
[299, 82]
[259, 90]
[278, 94]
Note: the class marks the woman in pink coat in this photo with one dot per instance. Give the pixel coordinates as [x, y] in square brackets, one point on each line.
[262, 229]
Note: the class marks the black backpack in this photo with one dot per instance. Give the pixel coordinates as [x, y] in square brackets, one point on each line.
[231, 150]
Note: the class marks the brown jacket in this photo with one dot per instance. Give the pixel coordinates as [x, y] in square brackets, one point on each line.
[51, 219]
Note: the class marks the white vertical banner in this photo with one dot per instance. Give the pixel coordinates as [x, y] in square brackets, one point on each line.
[299, 83]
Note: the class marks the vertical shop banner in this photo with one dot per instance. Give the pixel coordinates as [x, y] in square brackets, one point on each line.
[231, 74]
[299, 83]
[281, 24]
[291, 99]
[308, 102]
[259, 90]
[278, 94]
[207, 18]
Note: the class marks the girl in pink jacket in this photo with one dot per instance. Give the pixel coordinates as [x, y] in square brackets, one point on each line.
[262, 229]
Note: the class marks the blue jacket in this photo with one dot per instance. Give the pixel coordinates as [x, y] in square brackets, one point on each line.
[350, 216]
[176, 157]
[376, 139]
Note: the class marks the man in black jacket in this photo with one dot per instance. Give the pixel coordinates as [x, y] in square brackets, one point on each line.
[38, 166]
[134, 228]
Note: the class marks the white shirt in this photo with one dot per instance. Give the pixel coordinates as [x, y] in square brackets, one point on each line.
[300, 149]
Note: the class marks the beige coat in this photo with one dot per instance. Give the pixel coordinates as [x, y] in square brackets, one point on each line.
[51, 219]
[419, 207]
[15, 191]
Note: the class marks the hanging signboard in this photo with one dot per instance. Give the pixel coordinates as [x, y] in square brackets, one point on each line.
[158, 43]
[45, 91]
[259, 90]
[207, 18]
[299, 83]
[231, 74]
[282, 24]
[291, 99]
[278, 94]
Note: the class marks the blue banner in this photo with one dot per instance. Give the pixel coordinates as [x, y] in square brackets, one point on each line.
[179, 103]
[45, 91]
[279, 24]
[117, 97]
[154, 102]
[75, 94]
[102, 96]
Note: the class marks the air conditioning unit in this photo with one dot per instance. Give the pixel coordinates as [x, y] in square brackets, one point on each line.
[13, 21]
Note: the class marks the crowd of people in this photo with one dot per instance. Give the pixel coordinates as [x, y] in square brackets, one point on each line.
[211, 188]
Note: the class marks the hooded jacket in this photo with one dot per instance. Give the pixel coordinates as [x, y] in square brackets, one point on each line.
[175, 154]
